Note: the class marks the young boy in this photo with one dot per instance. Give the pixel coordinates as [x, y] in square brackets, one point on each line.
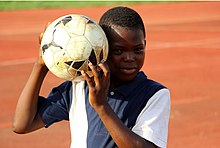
[119, 108]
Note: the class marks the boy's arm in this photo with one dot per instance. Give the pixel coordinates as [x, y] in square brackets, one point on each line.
[122, 136]
[26, 118]
[98, 89]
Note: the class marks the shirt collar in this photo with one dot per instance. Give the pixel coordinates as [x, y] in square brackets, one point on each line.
[128, 88]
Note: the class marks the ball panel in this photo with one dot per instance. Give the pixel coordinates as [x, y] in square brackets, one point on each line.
[105, 50]
[48, 58]
[60, 58]
[72, 72]
[61, 73]
[60, 38]
[93, 34]
[79, 48]
[76, 26]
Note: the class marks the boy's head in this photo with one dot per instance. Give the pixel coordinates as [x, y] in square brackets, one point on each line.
[125, 31]
[121, 16]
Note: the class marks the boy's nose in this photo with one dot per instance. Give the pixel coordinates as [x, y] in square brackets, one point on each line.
[129, 57]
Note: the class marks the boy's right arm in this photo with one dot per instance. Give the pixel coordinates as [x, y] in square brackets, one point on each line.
[26, 118]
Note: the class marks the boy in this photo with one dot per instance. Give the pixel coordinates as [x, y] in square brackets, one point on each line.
[120, 107]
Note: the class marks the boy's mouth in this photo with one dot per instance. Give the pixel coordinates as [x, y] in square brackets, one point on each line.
[128, 70]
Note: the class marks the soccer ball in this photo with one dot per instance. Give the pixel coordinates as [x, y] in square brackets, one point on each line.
[70, 42]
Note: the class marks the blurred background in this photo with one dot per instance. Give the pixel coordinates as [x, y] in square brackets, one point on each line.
[183, 53]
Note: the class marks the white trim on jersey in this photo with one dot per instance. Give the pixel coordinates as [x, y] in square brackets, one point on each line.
[152, 122]
[78, 117]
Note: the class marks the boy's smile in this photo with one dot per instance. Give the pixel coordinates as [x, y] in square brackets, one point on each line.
[126, 52]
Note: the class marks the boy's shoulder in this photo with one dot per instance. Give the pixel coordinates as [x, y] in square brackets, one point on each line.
[148, 87]
[140, 85]
[63, 87]
[146, 82]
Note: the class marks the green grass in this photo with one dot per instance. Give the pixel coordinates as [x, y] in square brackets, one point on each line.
[17, 5]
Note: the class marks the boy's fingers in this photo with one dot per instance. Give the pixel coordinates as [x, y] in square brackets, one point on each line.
[87, 78]
[105, 69]
[94, 72]
[40, 37]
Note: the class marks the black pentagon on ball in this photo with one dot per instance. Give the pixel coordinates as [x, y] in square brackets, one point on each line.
[89, 21]
[77, 65]
[64, 20]
[68, 63]
[78, 73]
[44, 47]
[92, 58]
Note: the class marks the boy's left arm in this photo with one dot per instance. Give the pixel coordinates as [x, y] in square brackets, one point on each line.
[122, 136]
[98, 90]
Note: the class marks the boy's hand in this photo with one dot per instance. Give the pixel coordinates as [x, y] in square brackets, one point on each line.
[98, 85]
[40, 58]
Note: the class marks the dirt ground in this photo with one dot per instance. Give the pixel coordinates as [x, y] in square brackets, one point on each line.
[183, 53]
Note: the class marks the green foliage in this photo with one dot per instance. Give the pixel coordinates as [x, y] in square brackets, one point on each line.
[14, 5]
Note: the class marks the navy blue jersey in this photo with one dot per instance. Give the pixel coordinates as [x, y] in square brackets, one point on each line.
[127, 101]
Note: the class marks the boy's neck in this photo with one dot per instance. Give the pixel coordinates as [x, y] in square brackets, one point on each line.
[115, 83]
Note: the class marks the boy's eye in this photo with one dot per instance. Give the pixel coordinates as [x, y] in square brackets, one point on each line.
[117, 51]
[139, 50]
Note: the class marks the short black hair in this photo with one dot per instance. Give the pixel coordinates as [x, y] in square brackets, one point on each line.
[121, 16]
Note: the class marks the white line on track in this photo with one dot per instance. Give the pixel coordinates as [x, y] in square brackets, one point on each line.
[17, 62]
[205, 43]
[154, 45]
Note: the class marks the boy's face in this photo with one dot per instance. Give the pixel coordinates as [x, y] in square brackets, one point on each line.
[126, 52]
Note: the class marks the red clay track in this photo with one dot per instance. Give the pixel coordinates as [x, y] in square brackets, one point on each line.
[183, 53]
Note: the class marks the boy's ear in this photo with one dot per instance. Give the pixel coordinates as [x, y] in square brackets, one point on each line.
[145, 42]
